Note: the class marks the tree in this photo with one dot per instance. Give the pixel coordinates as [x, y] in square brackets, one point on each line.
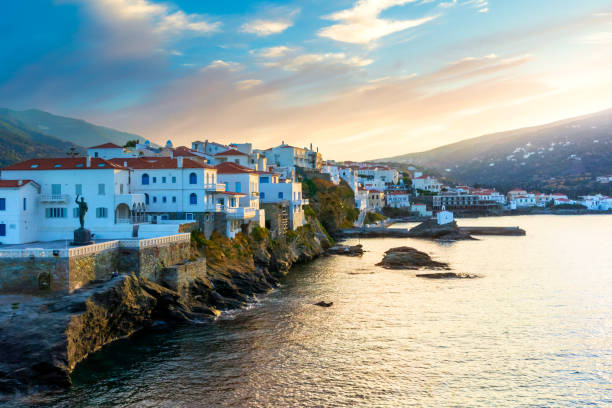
[131, 143]
[72, 152]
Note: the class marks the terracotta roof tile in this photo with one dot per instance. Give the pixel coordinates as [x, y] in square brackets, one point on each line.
[66, 163]
[231, 152]
[154, 163]
[14, 183]
[106, 146]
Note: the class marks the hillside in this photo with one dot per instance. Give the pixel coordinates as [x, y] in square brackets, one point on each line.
[18, 143]
[71, 130]
[565, 155]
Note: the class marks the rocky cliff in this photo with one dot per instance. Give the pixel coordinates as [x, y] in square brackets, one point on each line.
[43, 339]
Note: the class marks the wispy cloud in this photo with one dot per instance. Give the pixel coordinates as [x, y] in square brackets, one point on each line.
[247, 84]
[601, 38]
[225, 65]
[274, 52]
[277, 20]
[362, 23]
[291, 59]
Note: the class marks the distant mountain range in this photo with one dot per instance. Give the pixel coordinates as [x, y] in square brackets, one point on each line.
[35, 133]
[565, 155]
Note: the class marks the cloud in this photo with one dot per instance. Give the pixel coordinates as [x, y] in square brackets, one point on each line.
[277, 20]
[263, 28]
[247, 84]
[305, 61]
[362, 24]
[601, 38]
[224, 65]
[274, 52]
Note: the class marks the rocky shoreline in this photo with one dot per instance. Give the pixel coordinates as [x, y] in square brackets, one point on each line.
[43, 339]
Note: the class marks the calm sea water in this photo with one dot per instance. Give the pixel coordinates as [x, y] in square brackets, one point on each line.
[534, 331]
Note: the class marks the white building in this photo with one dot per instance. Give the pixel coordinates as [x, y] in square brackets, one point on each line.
[332, 169]
[426, 183]
[113, 209]
[274, 190]
[444, 217]
[240, 179]
[398, 199]
[597, 202]
[19, 201]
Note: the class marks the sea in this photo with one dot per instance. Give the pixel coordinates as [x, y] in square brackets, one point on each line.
[533, 330]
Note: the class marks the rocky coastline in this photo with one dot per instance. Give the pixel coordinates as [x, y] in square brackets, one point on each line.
[43, 339]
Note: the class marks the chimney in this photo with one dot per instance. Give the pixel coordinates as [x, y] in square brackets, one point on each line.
[172, 154]
[88, 161]
[311, 147]
[125, 164]
[179, 162]
[19, 182]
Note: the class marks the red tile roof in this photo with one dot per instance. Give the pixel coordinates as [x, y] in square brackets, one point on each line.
[155, 163]
[184, 152]
[231, 152]
[14, 183]
[66, 163]
[232, 168]
[106, 146]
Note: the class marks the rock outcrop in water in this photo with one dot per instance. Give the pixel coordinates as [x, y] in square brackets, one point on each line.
[431, 229]
[43, 339]
[409, 258]
[446, 275]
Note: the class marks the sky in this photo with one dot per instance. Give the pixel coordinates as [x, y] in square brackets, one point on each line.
[360, 79]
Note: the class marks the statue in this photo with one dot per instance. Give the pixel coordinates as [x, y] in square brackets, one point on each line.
[82, 236]
[82, 209]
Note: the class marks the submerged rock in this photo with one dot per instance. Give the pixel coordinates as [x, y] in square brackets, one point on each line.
[447, 275]
[324, 304]
[431, 229]
[349, 250]
[409, 258]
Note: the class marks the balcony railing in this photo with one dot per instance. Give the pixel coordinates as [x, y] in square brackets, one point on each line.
[214, 187]
[54, 198]
[241, 213]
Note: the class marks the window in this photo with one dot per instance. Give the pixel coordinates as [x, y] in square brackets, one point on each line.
[95, 154]
[101, 212]
[146, 199]
[164, 180]
[2, 230]
[264, 180]
[2, 204]
[101, 189]
[154, 180]
[173, 180]
[189, 216]
[121, 188]
[55, 212]
[164, 217]
[262, 195]
[193, 178]
[238, 187]
[75, 212]
[174, 199]
[25, 204]
[56, 189]
[78, 189]
[280, 194]
[145, 178]
[193, 199]
[163, 199]
[154, 199]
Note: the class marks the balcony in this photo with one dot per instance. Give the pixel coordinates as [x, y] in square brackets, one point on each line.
[241, 213]
[217, 187]
[54, 198]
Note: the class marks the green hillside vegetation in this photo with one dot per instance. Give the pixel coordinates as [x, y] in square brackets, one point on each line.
[18, 143]
[71, 130]
[333, 205]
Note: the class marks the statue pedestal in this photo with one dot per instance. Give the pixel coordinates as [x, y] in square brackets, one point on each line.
[82, 236]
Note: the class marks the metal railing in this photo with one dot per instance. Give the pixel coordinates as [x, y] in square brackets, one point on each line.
[53, 198]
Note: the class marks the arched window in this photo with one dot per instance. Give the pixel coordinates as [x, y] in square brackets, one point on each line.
[193, 178]
[193, 199]
[145, 178]
[146, 199]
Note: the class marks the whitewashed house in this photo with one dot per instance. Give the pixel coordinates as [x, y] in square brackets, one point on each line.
[113, 209]
[240, 179]
[19, 201]
[398, 199]
[232, 156]
[274, 190]
[426, 183]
